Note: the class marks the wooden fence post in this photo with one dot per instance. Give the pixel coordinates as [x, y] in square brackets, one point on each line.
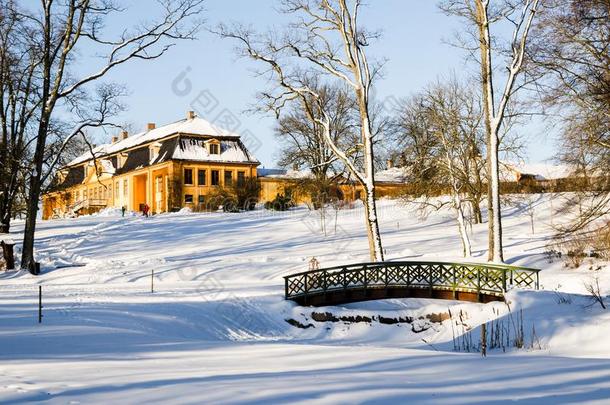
[39, 304]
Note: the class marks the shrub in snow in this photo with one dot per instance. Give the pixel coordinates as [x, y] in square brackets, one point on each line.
[281, 202]
[576, 247]
[220, 198]
[246, 193]
[240, 196]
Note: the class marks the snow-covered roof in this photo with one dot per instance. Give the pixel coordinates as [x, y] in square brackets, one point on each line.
[284, 174]
[194, 126]
[196, 150]
[392, 175]
[107, 166]
[540, 171]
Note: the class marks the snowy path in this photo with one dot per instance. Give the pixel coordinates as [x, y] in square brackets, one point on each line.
[214, 330]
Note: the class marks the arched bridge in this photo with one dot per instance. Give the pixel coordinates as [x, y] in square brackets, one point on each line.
[475, 282]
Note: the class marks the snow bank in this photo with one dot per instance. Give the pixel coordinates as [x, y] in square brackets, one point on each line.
[215, 328]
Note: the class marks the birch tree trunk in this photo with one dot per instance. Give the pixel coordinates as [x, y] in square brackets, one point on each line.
[494, 117]
[372, 224]
[488, 109]
[466, 247]
[457, 201]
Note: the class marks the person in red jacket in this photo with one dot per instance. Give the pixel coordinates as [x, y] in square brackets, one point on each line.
[145, 210]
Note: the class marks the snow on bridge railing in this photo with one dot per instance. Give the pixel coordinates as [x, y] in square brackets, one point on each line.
[376, 280]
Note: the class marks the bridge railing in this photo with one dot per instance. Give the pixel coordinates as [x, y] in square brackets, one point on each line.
[480, 278]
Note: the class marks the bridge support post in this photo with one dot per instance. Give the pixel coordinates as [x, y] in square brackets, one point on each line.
[430, 281]
[366, 282]
[479, 284]
[286, 287]
[454, 270]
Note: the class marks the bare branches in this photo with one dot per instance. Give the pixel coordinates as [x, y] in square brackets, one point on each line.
[595, 293]
[106, 105]
[519, 40]
[325, 41]
[57, 30]
[444, 140]
[480, 16]
[138, 45]
[572, 53]
[302, 137]
[19, 101]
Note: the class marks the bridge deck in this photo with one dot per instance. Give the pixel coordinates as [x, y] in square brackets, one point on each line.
[478, 282]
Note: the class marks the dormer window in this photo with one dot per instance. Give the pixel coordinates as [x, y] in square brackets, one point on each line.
[61, 176]
[214, 147]
[153, 151]
[90, 169]
[120, 160]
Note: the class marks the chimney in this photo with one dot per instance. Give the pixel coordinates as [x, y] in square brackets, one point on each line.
[124, 135]
[190, 115]
[114, 139]
[150, 126]
[390, 163]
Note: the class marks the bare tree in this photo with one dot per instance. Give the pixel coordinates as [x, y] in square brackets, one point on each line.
[60, 29]
[482, 14]
[440, 132]
[301, 137]
[326, 40]
[420, 149]
[19, 99]
[571, 51]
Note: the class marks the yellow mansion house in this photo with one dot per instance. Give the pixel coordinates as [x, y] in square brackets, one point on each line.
[169, 167]
[176, 166]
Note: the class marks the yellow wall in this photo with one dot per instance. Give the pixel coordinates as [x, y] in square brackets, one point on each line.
[195, 189]
[161, 187]
[270, 187]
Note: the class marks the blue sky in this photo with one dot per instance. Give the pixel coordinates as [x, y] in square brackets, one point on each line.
[412, 42]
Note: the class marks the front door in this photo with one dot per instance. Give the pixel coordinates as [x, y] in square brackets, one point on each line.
[159, 193]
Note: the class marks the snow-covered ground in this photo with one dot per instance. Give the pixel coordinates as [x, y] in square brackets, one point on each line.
[215, 330]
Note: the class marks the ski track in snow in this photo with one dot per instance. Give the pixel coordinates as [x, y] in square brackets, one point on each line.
[214, 329]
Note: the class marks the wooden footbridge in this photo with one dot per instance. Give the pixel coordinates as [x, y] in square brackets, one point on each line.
[475, 282]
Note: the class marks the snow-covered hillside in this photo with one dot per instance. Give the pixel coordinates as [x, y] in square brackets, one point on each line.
[215, 330]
